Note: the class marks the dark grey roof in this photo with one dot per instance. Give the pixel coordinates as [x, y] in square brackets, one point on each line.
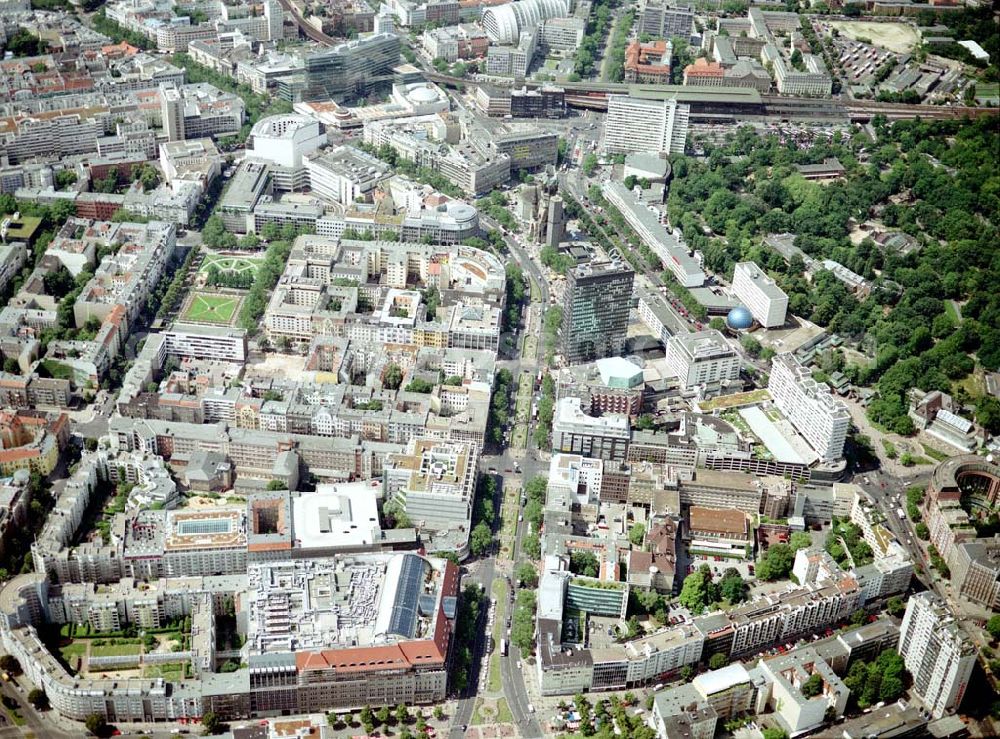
[404, 608]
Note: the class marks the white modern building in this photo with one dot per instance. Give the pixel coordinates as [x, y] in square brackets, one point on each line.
[434, 482]
[821, 418]
[284, 139]
[647, 126]
[281, 142]
[702, 358]
[504, 23]
[786, 674]
[562, 34]
[576, 477]
[667, 245]
[345, 174]
[220, 343]
[601, 437]
[938, 654]
[760, 294]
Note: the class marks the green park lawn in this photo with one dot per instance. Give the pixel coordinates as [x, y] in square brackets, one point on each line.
[229, 263]
[207, 308]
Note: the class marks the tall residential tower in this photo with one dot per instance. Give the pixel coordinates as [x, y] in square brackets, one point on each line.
[938, 654]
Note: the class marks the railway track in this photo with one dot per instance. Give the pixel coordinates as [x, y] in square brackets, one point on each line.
[308, 30]
[593, 95]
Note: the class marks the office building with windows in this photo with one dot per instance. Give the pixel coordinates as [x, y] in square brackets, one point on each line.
[760, 294]
[660, 20]
[349, 69]
[600, 437]
[702, 358]
[596, 307]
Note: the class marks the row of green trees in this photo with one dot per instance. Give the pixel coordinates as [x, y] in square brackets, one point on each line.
[503, 387]
[615, 69]
[516, 294]
[471, 600]
[268, 272]
[171, 295]
[522, 630]
[597, 28]
[546, 407]
[385, 717]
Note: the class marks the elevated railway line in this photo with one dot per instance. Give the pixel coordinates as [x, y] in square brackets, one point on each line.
[708, 104]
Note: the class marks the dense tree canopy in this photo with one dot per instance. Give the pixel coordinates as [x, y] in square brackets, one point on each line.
[935, 182]
[776, 563]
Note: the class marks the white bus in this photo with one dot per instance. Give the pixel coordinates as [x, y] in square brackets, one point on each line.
[503, 647]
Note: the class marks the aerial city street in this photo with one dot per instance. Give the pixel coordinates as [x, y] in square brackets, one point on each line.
[480, 369]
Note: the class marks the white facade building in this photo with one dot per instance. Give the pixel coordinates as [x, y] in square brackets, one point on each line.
[647, 126]
[702, 358]
[760, 294]
[284, 139]
[821, 418]
[206, 342]
[504, 23]
[345, 174]
[668, 245]
[938, 654]
[574, 432]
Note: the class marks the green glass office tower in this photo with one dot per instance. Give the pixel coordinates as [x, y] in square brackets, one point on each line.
[595, 311]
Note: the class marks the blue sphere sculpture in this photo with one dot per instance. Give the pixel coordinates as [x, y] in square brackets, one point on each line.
[739, 319]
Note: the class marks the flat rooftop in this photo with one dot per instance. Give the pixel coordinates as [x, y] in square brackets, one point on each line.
[337, 516]
[721, 520]
[351, 601]
[212, 528]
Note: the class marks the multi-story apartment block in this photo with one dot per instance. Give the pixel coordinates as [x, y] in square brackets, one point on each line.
[785, 676]
[562, 34]
[702, 358]
[434, 482]
[660, 19]
[454, 43]
[821, 418]
[975, 571]
[815, 81]
[206, 342]
[936, 651]
[767, 302]
[344, 174]
[125, 279]
[344, 667]
[637, 125]
[246, 188]
[513, 61]
[473, 168]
